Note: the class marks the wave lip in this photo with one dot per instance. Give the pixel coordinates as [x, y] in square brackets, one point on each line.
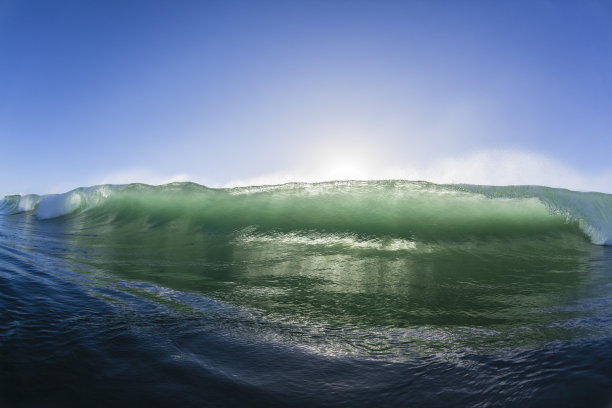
[53, 206]
[83, 198]
[56, 205]
[593, 211]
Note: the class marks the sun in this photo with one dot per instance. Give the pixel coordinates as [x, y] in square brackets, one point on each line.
[344, 158]
[348, 169]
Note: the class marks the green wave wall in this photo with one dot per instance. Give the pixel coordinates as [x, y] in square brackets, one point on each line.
[416, 211]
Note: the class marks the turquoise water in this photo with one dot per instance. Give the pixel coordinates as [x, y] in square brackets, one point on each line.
[387, 293]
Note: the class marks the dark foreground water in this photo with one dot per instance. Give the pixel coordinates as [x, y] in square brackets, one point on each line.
[355, 294]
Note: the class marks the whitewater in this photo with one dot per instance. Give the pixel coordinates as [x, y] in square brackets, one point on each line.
[345, 293]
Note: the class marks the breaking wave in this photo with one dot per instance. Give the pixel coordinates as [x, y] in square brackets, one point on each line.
[368, 214]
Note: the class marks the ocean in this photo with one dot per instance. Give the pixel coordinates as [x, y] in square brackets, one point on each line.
[337, 294]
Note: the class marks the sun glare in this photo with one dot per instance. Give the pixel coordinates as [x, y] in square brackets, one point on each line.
[346, 170]
[343, 158]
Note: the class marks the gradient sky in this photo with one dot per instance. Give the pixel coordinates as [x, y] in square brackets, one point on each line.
[230, 92]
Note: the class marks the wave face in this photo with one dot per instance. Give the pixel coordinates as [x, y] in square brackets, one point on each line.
[349, 293]
[417, 211]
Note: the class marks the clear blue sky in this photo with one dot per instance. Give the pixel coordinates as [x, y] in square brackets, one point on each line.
[234, 92]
